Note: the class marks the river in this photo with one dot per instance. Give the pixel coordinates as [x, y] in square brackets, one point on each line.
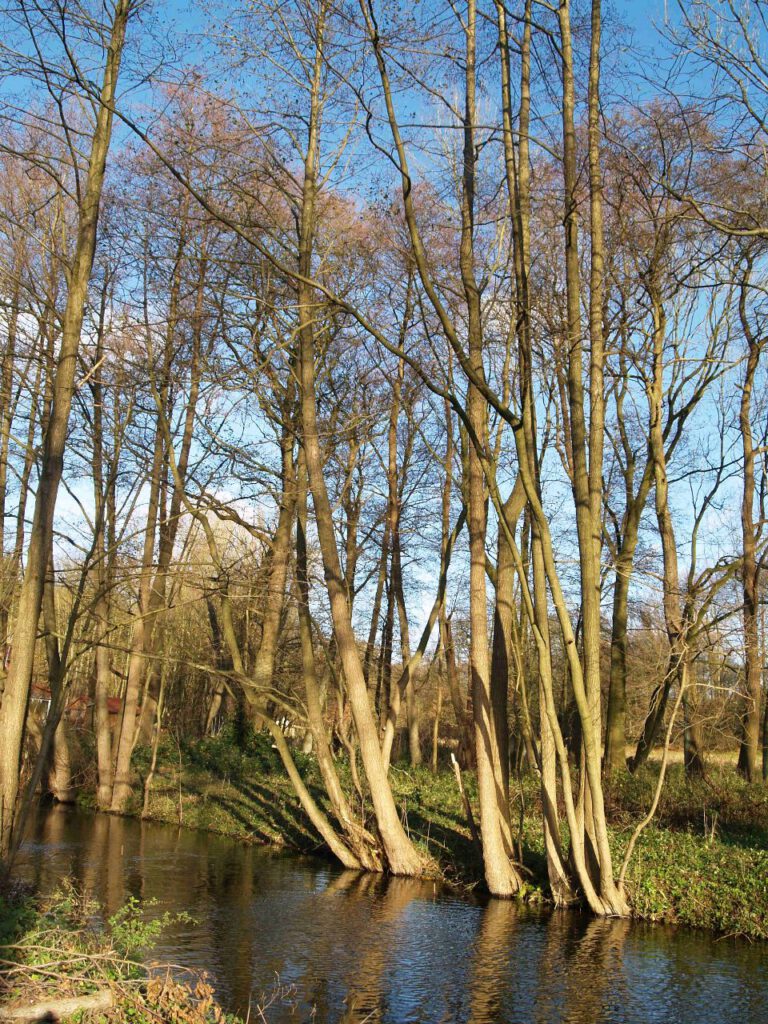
[324, 945]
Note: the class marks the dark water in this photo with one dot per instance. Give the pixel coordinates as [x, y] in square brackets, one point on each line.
[358, 949]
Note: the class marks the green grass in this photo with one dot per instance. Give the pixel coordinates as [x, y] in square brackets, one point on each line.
[703, 862]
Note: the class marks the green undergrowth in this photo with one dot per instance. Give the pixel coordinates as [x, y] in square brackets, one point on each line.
[61, 947]
[703, 862]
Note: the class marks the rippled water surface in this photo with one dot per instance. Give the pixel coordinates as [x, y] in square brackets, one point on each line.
[351, 948]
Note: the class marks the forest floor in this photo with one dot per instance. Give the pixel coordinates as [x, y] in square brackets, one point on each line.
[702, 862]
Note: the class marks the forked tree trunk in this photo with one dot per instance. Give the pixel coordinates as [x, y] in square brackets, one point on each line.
[587, 460]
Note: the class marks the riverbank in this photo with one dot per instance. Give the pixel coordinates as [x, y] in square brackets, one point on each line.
[63, 960]
[703, 862]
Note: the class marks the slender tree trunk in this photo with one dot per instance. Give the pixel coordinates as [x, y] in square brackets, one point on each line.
[56, 750]
[693, 735]
[361, 844]
[264, 662]
[370, 647]
[158, 728]
[394, 600]
[413, 717]
[671, 584]
[458, 702]
[492, 767]
[503, 655]
[7, 573]
[384, 687]
[102, 608]
[436, 725]
[750, 743]
[121, 775]
[169, 524]
[615, 759]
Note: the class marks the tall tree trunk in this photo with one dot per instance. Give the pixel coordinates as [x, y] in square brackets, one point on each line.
[7, 369]
[673, 617]
[503, 655]
[615, 759]
[750, 743]
[402, 857]
[13, 709]
[490, 733]
[517, 167]
[102, 606]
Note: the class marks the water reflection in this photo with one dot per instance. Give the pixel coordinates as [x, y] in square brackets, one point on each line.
[357, 948]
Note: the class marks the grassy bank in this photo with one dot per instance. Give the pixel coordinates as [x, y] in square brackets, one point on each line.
[62, 960]
[703, 862]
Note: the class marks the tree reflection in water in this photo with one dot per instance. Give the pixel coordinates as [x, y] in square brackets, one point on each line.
[360, 948]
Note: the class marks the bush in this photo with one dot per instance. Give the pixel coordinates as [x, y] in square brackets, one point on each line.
[239, 757]
[60, 947]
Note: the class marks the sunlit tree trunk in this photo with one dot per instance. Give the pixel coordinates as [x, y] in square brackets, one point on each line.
[490, 732]
[361, 844]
